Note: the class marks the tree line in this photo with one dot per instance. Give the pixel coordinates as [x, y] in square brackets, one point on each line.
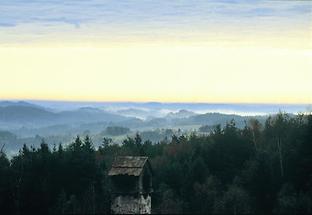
[261, 168]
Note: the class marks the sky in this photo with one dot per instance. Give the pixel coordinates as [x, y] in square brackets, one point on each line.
[226, 51]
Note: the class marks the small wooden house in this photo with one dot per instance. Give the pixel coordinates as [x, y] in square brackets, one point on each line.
[131, 180]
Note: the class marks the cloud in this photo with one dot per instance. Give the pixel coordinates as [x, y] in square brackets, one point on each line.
[57, 20]
[3, 24]
[147, 17]
[73, 11]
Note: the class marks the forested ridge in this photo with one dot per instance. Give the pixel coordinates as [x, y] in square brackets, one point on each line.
[261, 168]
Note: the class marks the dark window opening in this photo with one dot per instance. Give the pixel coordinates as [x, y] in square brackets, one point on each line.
[124, 184]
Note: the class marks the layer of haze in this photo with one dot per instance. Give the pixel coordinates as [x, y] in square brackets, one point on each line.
[173, 51]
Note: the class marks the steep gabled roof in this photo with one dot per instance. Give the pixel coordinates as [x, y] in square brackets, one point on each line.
[128, 165]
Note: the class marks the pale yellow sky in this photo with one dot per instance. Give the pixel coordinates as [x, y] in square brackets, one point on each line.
[171, 51]
[247, 70]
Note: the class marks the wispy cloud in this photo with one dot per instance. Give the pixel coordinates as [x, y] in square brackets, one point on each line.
[16, 12]
[146, 16]
[3, 24]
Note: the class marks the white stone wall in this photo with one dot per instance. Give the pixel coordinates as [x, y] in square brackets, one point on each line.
[131, 205]
[145, 205]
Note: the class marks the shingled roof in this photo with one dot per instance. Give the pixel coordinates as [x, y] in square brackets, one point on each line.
[128, 165]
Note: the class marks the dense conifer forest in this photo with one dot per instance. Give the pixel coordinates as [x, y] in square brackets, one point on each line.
[261, 168]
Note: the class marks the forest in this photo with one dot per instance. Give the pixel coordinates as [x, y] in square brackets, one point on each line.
[260, 168]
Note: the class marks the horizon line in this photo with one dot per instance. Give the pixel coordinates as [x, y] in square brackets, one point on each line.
[152, 101]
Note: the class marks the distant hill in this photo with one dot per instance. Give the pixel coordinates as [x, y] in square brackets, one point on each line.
[133, 112]
[188, 118]
[115, 131]
[18, 114]
[23, 114]
[19, 103]
[181, 114]
[6, 136]
[88, 115]
[217, 118]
